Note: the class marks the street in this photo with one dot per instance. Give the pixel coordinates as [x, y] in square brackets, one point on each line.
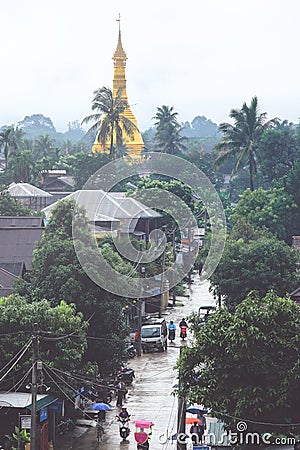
[150, 396]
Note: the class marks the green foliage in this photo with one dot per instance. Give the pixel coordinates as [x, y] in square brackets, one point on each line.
[273, 209]
[16, 313]
[109, 120]
[57, 275]
[18, 437]
[246, 364]
[278, 151]
[259, 262]
[240, 141]
[83, 165]
[168, 131]
[9, 206]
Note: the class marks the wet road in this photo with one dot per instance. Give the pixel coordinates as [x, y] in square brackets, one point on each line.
[150, 396]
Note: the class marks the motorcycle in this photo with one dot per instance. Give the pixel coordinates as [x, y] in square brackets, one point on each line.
[130, 351]
[171, 334]
[124, 427]
[126, 375]
[183, 332]
[64, 425]
[143, 430]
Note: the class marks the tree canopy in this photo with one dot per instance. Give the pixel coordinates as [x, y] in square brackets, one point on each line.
[258, 262]
[245, 365]
[57, 275]
[240, 140]
[17, 317]
[273, 209]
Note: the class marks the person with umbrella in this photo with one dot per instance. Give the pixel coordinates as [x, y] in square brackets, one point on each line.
[102, 408]
[196, 432]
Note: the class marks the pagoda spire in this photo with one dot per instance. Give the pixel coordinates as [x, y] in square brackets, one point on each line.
[134, 145]
[119, 53]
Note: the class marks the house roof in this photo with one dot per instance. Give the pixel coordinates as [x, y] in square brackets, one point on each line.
[296, 294]
[107, 206]
[16, 268]
[296, 242]
[24, 190]
[7, 279]
[17, 244]
[21, 221]
[66, 181]
[22, 400]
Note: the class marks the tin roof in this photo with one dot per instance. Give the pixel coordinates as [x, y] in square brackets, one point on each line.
[23, 190]
[22, 400]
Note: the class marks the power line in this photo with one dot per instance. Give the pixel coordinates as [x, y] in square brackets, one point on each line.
[16, 362]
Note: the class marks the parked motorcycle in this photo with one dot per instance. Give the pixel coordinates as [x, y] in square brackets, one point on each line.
[183, 332]
[126, 375]
[64, 425]
[171, 335]
[130, 351]
[124, 429]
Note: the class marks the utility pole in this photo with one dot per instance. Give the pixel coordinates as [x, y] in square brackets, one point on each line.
[181, 417]
[139, 306]
[34, 388]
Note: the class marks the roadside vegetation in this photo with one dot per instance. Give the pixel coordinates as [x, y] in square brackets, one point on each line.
[244, 361]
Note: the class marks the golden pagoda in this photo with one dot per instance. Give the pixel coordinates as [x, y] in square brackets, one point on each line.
[136, 145]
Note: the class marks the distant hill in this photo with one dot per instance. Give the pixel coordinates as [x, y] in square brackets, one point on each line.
[201, 127]
[39, 125]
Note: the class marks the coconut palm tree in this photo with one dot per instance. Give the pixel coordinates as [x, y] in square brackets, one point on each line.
[240, 140]
[110, 123]
[168, 131]
[43, 146]
[5, 142]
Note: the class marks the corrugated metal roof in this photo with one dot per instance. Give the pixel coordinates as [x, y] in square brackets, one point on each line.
[17, 244]
[16, 268]
[7, 279]
[23, 190]
[21, 221]
[110, 205]
[22, 400]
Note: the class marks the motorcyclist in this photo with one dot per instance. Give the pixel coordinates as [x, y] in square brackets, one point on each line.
[123, 414]
[183, 326]
[124, 418]
[183, 323]
[172, 330]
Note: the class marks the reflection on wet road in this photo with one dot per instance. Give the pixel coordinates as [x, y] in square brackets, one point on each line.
[150, 397]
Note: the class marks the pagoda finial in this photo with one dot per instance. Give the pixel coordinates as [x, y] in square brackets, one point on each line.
[119, 20]
[119, 53]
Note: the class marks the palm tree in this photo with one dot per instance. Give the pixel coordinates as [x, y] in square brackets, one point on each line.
[6, 142]
[110, 123]
[43, 146]
[168, 131]
[21, 166]
[240, 141]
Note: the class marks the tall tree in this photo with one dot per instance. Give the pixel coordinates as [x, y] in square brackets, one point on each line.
[168, 131]
[240, 140]
[10, 206]
[21, 166]
[260, 262]
[57, 275]
[109, 119]
[11, 139]
[278, 152]
[43, 146]
[246, 364]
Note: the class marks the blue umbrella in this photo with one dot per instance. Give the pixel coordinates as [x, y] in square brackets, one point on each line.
[100, 407]
[197, 410]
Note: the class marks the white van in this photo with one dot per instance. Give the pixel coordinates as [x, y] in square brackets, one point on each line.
[154, 335]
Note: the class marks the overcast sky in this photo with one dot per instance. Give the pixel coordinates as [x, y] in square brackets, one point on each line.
[201, 57]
